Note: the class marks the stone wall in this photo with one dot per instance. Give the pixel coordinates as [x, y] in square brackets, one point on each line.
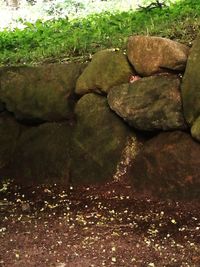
[133, 116]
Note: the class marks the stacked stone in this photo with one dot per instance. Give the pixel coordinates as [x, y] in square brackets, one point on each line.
[125, 114]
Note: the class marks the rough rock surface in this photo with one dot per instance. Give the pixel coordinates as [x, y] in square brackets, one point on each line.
[168, 166]
[150, 55]
[195, 130]
[9, 133]
[98, 141]
[191, 85]
[42, 155]
[107, 68]
[2, 106]
[39, 93]
[152, 103]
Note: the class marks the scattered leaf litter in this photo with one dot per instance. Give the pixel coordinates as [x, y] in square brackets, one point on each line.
[95, 226]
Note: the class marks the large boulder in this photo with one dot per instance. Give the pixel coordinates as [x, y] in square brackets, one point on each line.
[152, 103]
[42, 155]
[107, 68]
[168, 166]
[191, 87]
[9, 134]
[150, 55]
[99, 141]
[39, 93]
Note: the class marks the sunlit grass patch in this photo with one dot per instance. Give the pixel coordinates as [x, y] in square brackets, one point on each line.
[55, 40]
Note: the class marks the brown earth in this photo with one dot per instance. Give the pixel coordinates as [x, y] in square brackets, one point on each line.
[106, 225]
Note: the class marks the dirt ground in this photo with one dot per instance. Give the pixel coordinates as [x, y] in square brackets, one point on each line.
[107, 225]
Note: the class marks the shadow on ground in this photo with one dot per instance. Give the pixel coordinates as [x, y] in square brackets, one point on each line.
[107, 225]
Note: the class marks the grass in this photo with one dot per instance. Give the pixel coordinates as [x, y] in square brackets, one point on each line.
[61, 40]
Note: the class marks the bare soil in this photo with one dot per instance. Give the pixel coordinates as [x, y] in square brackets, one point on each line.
[92, 226]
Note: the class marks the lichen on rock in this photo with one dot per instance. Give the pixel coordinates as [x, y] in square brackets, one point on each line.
[151, 103]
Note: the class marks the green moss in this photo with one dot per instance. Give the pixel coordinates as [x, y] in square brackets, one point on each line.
[191, 85]
[97, 141]
[40, 92]
[195, 130]
[108, 68]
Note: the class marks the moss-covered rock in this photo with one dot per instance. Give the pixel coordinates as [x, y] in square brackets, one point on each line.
[42, 154]
[39, 93]
[2, 106]
[195, 130]
[191, 84]
[152, 103]
[9, 134]
[107, 68]
[98, 141]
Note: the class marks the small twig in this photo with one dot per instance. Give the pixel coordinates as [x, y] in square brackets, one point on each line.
[153, 5]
